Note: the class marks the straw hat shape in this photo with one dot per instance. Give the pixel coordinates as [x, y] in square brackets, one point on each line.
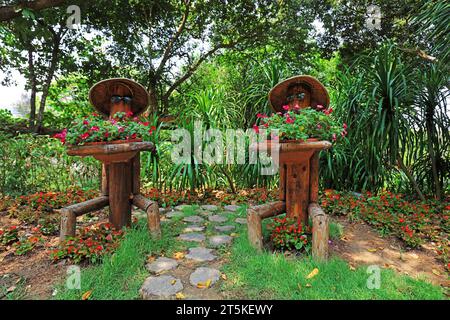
[319, 95]
[101, 92]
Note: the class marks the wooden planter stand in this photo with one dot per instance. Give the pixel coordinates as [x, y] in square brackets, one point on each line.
[120, 187]
[299, 188]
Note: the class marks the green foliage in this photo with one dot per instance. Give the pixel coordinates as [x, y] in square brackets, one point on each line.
[254, 275]
[289, 234]
[31, 163]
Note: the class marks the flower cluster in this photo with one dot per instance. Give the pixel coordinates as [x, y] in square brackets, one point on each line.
[412, 221]
[289, 234]
[90, 245]
[94, 128]
[302, 124]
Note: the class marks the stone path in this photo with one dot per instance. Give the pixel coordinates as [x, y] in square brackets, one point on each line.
[194, 273]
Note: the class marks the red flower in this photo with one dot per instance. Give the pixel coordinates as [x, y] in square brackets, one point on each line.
[84, 136]
[289, 120]
[334, 137]
[256, 128]
[344, 126]
[106, 134]
[85, 122]
[261, 115]
[95, 128]
[133, 136]
[129, 114]
[286, 107]
[152, 128]
[328, 111]
[145, 124]
[319, 107]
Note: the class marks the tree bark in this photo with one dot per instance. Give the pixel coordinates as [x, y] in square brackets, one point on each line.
[32, 119]
[430, 135]
[48, 80]
[411, 178]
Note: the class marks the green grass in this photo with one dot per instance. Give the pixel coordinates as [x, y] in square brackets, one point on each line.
[272, 276]
[121, 275]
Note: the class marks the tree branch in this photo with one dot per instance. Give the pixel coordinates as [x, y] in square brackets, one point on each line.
[194, 67]
[172, 41]
[12, 11]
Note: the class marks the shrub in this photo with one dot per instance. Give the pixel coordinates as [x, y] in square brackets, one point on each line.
[289, 234]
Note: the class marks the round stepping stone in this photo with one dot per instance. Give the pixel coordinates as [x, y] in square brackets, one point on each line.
[241, 220]
[202, 275]
[231, 207]
[160, 286]
[227, 228]
[209, 207]
[220, 240]
[204, 213]
[200, 254]
[174, 214]
[196, 237]
[217, 218]
[194, 228]
[194, 219]
[164, 210]
[181, 207]
[162, 264]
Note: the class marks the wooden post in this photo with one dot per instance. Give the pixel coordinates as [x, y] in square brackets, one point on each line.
[68, 224]
[105, 187]
[254, 221]
[120, 191]
[152, 210]
[314, 178]
[297, 193]
[320, 234]
[136, 173]
[282, 196]
[69, 214]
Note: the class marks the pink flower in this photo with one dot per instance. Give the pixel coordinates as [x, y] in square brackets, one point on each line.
[289, 120]
[319, 126]
[261, 115]
[95, 128]
[343, 133]
[334, 137]
[84, 136]
[344, 126]
[319, 107]
[61, 136]
[256, 128]
[286, 107]
[120, 129]
[113, 121]
[106, 134]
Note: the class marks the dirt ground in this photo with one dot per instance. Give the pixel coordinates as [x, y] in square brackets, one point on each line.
[35, 275]
[362, 245]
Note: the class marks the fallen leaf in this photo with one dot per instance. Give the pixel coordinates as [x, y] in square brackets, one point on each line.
[173, 282]
[180, 296]
[372, 250]
[204, 285]
[151, 259]
[344, 238]
[436, 272]
[223, 276]
[86, 295]
[234, 235]
[313, 273]
[308, 285]
[380, 248]
[351, 267]
[11, 289]
[178, 255]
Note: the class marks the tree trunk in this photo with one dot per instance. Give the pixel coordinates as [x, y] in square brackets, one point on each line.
[33, 88]
[153, 103]
[48, 80]
[411, 178]
[430, 136]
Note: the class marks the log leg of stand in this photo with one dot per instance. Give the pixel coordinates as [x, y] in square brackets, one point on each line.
[69, 214]
[119, 194]
[136, 173]
[254, 221]
[104, 190]
[314, 178]
[297, 191]
[152, 210]
[68, 224]
[320, 234]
